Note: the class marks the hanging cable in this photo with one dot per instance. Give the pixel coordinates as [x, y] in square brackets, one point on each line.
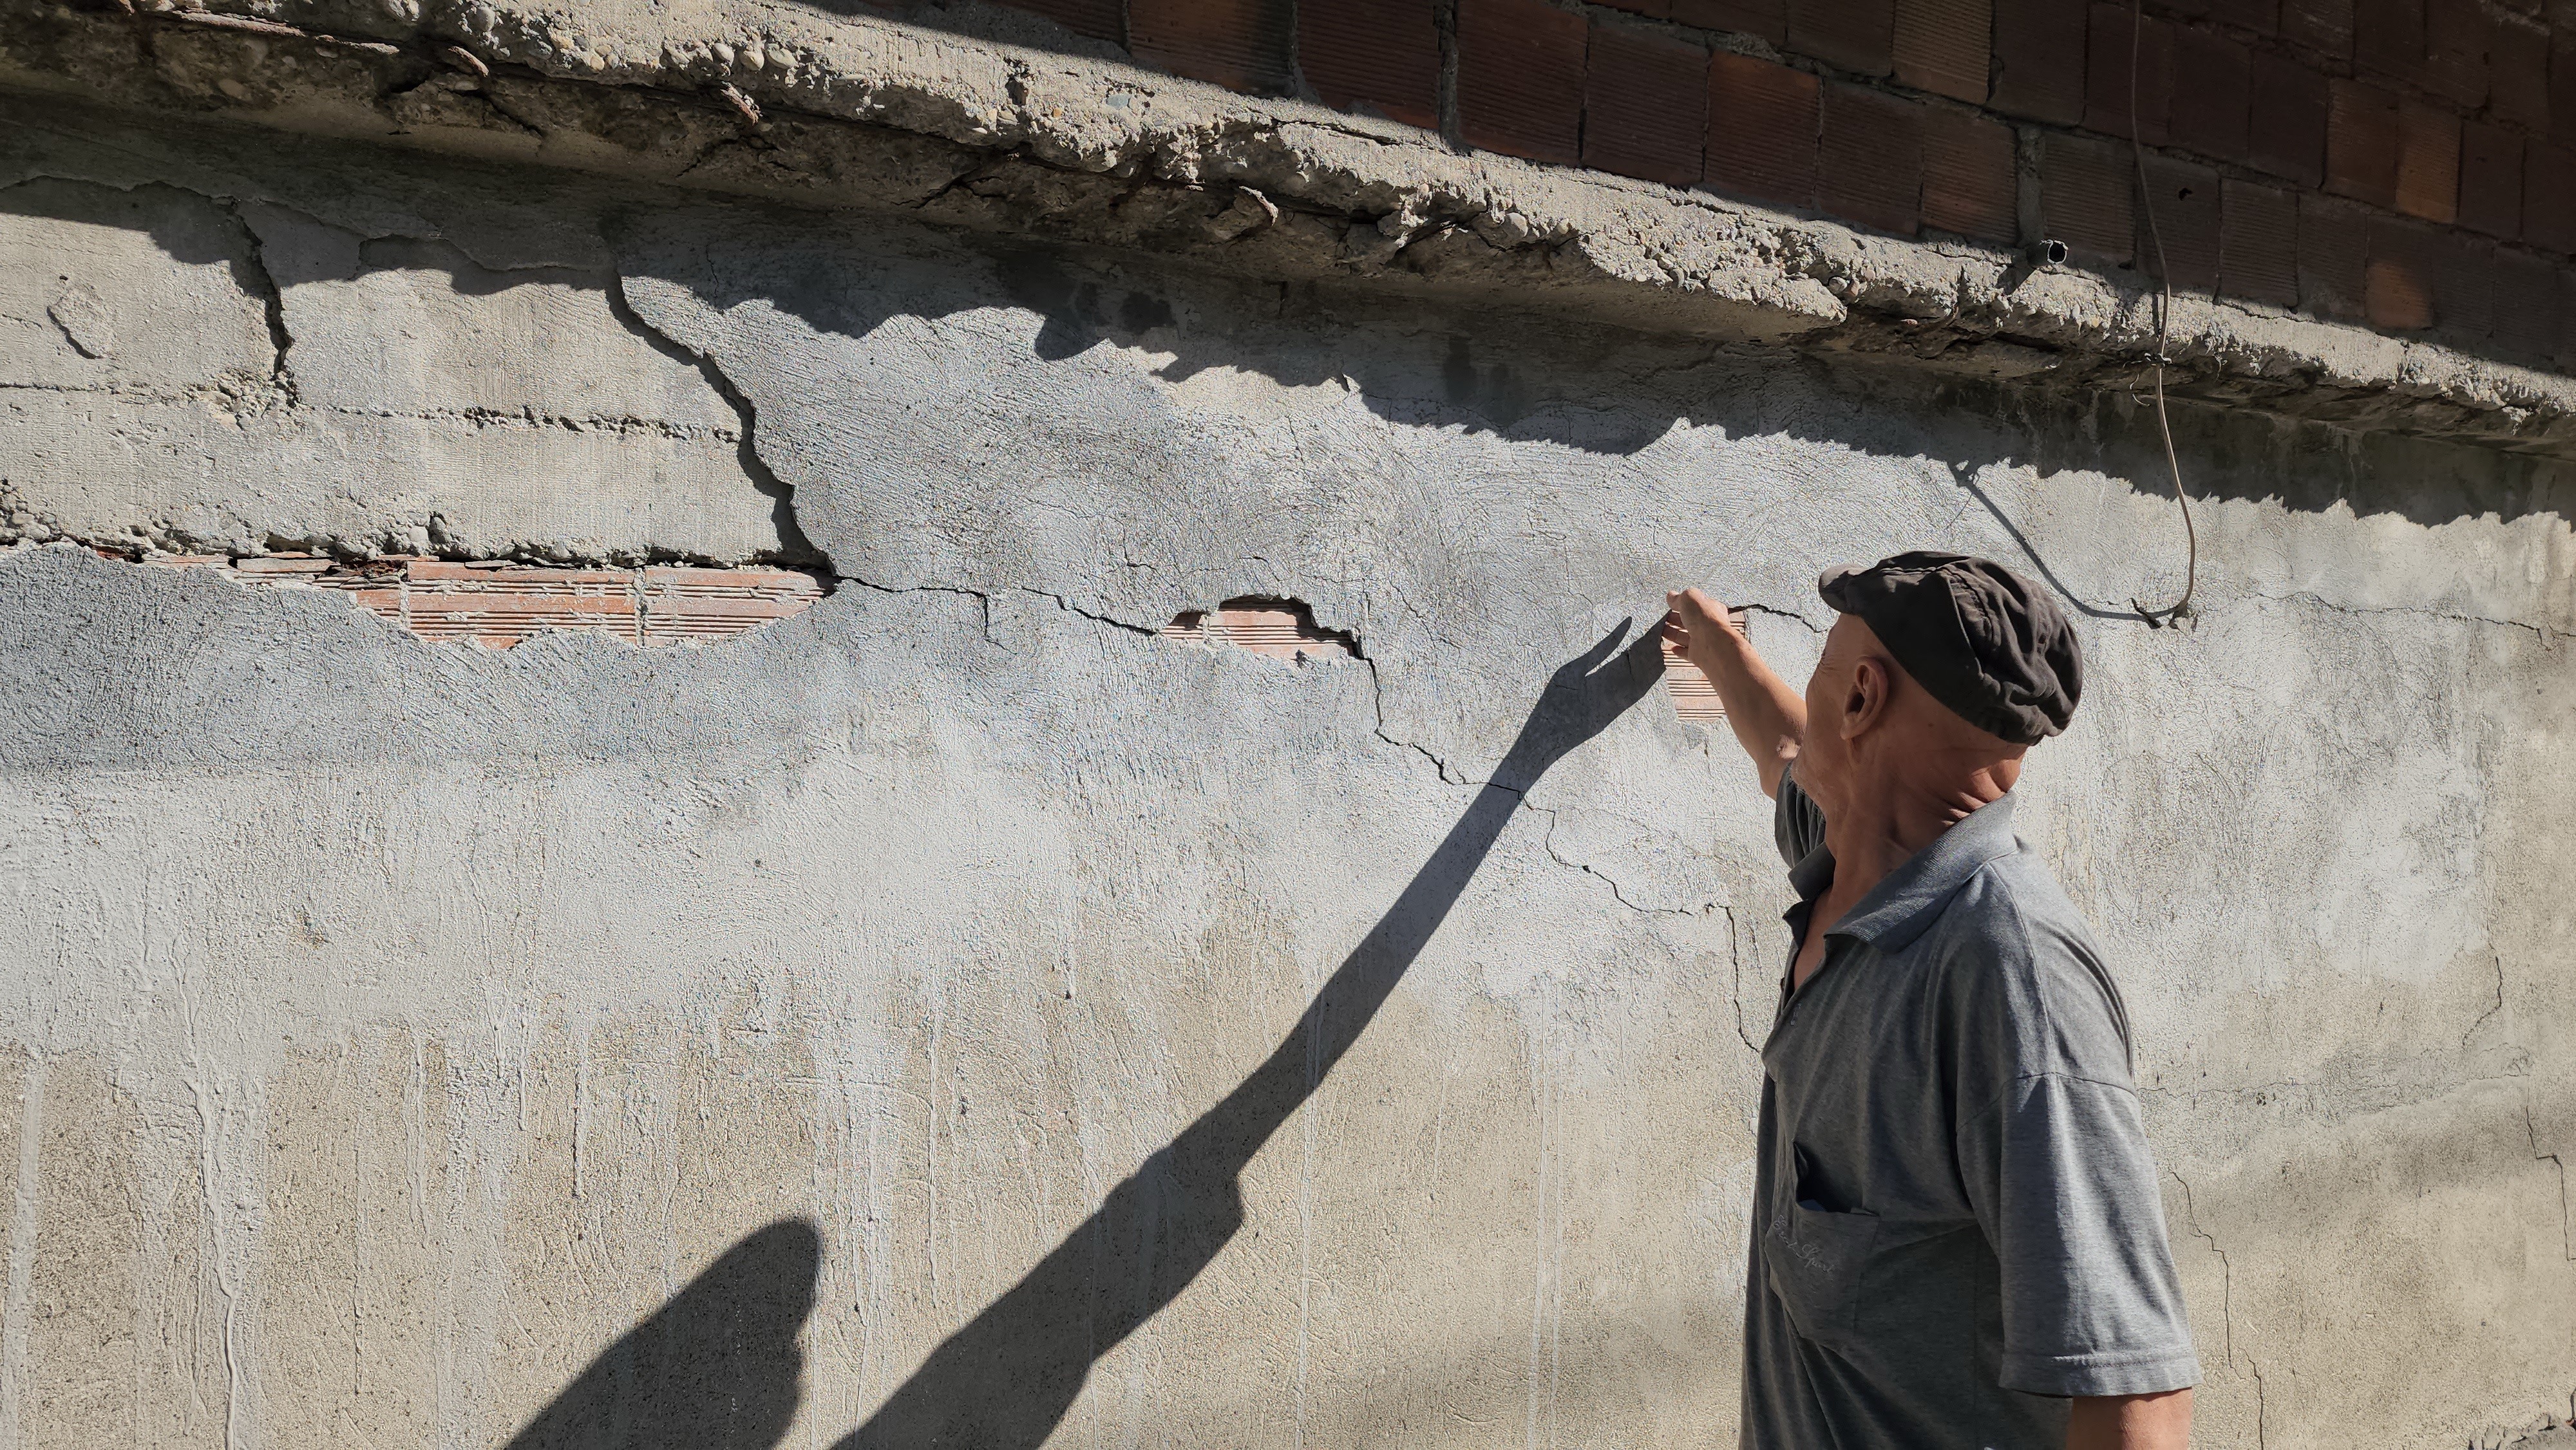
[2159, 618]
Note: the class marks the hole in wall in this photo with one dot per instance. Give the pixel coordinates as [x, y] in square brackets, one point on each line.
[1280, 628]
[1694, 698]
[500, 603]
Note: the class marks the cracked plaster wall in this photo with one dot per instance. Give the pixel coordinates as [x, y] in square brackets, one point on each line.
[392, 1027]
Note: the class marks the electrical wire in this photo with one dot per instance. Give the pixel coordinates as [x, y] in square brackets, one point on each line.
[2159, 618]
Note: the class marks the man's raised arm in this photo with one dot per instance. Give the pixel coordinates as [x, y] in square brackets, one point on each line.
[1769, 718]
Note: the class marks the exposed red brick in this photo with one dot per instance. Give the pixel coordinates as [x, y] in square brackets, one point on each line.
[2124, 44]
[2428, 162]
[1851, 35]
[2518, 73]
[1645, 105]
[2398, 295]
[2086, 194]
[2180, 223]
[1768, 19]
[2258, 243]
[2491, 180]
[2263, 17]
[2549, 197]
[1099, 19]
[2322, 26]
[700, 606]
[1520, 78]
[2456, 38]
[2361, 143]
[2287, 107]
[1239, 44]
[2334, 256]
[1969, 181]
[1941, 47]
[2388, 37]
[2527, 326]
[1869, 159]
[2039, 60]
[1761, 130]
[1382, 55]
[2212, 95]
[2463, 285]
[2562, 83]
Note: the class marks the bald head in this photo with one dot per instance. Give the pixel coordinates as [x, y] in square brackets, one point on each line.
[1878, 742]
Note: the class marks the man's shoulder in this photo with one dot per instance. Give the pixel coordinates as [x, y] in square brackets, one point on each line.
[2015, 956]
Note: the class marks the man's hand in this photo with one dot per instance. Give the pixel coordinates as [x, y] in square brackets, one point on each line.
[2130, 1422]
[1768, 718]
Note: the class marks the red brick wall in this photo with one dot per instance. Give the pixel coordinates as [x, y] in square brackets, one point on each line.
[2409, 163]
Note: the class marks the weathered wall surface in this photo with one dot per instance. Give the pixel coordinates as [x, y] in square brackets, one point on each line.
[412, 1044]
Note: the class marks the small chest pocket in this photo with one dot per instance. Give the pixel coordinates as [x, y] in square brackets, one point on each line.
[1813, 1259]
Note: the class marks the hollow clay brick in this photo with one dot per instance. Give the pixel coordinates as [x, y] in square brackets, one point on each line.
[1382, 55]
[1099, 19]
[2040, 59]
[1768, 19]
[2258, 243]
[2398, 294]
[2456, 40]
[1869, 160]
[2334, 256]
[2549, 197]
[2087, 192]
[2491, 180]
[2518, 73]
[1239, 44]
[2212, 95]
[2323, 27]
[1941, 47]
[1849, 35]
[2388, 38]
[1761, 130]
[1645, 99]
[2428, 162]
[2286, 131]
[1969, 180]
[2263, 17]
[2361, 143]
[2526, 315]
[2463, 286]
[1520, 78]
[2178, 227]
[2124, 43]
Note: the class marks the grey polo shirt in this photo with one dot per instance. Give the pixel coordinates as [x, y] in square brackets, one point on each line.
[1956, 1222]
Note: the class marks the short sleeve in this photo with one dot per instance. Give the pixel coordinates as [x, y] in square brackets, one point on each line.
[2062, 1180]
[1797, 824]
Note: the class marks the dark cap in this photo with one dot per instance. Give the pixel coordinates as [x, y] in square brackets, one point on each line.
[1974, 634]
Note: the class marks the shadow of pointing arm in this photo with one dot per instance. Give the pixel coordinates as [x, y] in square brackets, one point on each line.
[1007, 1378]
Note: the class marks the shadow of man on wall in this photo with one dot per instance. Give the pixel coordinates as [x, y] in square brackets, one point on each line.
[718, 1366]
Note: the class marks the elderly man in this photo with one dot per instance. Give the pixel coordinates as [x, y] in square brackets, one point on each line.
[1957, 1237]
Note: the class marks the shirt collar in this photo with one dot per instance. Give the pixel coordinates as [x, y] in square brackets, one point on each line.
[1905, 902]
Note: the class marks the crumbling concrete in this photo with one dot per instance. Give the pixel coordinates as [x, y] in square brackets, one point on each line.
[413, 1043]
[1001, 122]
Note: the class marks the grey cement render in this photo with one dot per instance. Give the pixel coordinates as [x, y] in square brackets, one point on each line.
[411, 1044]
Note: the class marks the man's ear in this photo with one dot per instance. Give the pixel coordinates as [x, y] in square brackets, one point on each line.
[1865, 699]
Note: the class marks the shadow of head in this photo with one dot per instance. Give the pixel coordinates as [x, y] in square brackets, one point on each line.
[715, 1368]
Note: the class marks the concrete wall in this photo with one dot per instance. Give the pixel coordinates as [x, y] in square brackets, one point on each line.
[413, 1044]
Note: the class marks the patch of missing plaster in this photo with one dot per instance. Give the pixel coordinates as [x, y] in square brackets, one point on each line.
[83, 319]
[496, 604]
[1280, 628]
[1694, 696]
